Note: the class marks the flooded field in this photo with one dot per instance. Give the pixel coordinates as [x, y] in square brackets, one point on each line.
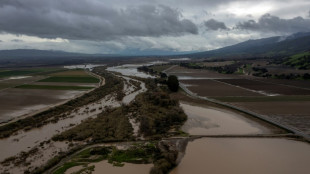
[214, 121]
[245, 155]
[20, 102]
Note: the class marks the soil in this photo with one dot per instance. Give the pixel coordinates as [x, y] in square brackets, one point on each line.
[266, 87]
[205, 87]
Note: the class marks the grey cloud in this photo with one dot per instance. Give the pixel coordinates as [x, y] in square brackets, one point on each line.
[90, 20]
[271, 23]
[215, 25]
[16, 40]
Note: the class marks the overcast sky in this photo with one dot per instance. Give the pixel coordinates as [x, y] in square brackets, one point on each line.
[145, 26]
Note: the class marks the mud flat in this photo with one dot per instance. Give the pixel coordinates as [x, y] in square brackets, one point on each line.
[245, 155]
[215, 121]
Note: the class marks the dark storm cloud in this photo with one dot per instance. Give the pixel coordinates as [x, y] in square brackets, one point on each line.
[215, 25]
[90, 20]
[271, 23]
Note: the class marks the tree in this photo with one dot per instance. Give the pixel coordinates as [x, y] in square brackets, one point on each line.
[173, 83]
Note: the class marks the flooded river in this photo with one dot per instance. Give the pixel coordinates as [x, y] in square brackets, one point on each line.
[244, 156]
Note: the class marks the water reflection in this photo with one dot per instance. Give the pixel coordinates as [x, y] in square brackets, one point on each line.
[245, 155]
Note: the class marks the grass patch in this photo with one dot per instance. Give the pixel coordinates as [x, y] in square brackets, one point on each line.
[65, 167]
[71, 79]
[136, 153]
[34, 71]
[50, 87]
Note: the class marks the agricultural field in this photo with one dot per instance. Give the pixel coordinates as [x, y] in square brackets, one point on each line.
[26, 91]
[213, 88]
[27, 72]
[160, 68]
[266, 87]
[286, 101]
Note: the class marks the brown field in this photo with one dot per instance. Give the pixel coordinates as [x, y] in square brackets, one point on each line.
[286, 70]
[78, 73]
[271, 88]
[296, 83]
[293, 113]
[212, 88]
[15, 82]
[65, 84]
[199, 73]
[217, 64]
[16, 102]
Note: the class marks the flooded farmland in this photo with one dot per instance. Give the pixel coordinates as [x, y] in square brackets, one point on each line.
[245, 155]
[214, 121]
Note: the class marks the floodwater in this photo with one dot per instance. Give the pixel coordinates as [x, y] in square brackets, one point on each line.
[130, 70]
[26, 140]
[245, 155]
[215, 121]
[18, 77]
[86, 66]
[130, 95]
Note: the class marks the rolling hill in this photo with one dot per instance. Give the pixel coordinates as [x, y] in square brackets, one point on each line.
[273, 46]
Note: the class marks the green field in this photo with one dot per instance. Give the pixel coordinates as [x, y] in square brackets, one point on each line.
[50, 87]
[71, 79]
[39, 71]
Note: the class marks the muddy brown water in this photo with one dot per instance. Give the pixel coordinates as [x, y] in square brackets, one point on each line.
[215, 121]
[245, 156]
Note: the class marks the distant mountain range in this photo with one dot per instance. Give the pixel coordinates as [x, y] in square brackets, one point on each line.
[31, 53]
[273, 46]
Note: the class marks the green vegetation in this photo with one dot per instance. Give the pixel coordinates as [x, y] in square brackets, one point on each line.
[36, 71]
[65, 167]
[173, 83]
[112, 125]
[71, 79]
[136, 153]
[113, 85]
[299, 61]
[156, 111]
[50, 87]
